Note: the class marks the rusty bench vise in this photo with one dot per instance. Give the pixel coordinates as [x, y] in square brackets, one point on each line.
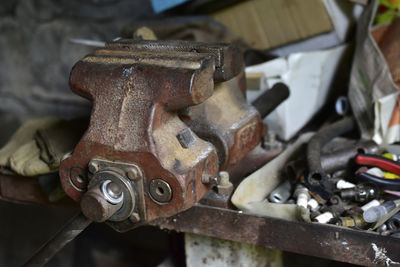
[166, 117]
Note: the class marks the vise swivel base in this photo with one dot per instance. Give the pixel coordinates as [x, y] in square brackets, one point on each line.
[166, 117]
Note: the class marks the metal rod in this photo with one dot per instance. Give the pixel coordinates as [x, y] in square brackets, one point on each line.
[68, 233]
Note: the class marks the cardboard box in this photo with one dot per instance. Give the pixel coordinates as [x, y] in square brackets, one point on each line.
[265, 24]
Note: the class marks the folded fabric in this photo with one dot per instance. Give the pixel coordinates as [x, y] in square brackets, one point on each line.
[26, 160]
[58, 139]
[38, 145]
[251, 193]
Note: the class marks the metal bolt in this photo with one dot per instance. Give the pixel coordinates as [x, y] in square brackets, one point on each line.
[361, 193]
[99, 203]
[224, 176]
[135, 217]
[301, 195]
[211, 179]
[93, 167]
[270, 141]
[225, 187]
[133, 173]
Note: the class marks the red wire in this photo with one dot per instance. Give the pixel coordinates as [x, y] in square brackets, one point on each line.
[375, 161]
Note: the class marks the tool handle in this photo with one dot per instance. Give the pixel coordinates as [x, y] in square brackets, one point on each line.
[271, 98]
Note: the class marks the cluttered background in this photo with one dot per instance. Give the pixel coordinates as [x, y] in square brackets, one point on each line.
[339, 59]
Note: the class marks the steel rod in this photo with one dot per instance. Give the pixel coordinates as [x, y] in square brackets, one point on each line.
[68, 233]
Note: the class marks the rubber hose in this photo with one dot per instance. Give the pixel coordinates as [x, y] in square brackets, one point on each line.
[322, 137]
[317, 180]
[271, 98]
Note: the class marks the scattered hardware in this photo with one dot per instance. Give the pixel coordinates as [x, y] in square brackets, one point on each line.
[354, 186]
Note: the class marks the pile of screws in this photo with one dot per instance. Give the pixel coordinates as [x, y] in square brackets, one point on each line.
[362, 194]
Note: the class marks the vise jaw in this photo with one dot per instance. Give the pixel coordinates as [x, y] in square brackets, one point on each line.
[166, 117]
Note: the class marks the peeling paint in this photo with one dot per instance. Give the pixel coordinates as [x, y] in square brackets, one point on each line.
[381, 257]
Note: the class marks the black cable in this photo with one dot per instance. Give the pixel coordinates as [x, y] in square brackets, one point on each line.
[386, 184]
[71, 230]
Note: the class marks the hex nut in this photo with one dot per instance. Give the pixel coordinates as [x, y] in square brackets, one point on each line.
[95, 207]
